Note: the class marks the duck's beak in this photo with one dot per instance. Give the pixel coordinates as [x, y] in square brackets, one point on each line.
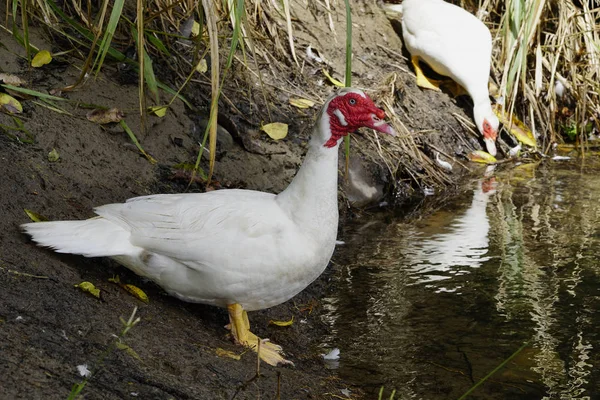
[376, 122]
[489, 137]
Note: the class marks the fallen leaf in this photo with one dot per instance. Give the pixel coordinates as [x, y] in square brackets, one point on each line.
[282, 323]
[332, 79]
[202, 67]
[10, 104]
[128, 350]
[53, 156]
[226, 353]
[11, 79]
[519, 130]
[195, 29]
[105, 116]
[89, 287]
[41, 58]
[276, 130]
[483, 157]
[301, 103]
[35, 217]
[136, 292]
[159, 111]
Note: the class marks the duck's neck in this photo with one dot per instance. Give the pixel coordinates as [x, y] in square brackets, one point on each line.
[311, 199]
[482, 105]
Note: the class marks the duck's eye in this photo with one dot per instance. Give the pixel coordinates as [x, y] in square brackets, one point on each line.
[352, 101]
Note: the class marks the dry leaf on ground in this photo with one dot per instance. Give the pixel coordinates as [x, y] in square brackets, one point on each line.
[89, 287]
[301, 103]
[282, 323]
[10, 104]
[480, 156]
[42, 58]
[276, 130]
[105, 116]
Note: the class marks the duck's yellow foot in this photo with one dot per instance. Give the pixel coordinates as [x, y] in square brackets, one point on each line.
[422, 80]
[270, 353]
[455, 88]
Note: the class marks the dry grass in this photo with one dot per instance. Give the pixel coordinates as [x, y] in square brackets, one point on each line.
[539, 47]
[538, 44]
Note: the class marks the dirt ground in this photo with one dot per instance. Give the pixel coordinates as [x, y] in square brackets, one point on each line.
[48, 328]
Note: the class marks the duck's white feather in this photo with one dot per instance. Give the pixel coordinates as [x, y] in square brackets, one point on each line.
[227, 246]
[451, 40]
[221, 247]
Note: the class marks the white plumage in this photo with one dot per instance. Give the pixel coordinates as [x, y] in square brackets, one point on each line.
[456, 44]
[229, 247]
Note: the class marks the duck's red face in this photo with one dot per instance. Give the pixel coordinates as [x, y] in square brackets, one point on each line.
[352, 110]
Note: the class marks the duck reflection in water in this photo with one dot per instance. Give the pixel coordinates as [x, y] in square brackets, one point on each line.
[464, 243]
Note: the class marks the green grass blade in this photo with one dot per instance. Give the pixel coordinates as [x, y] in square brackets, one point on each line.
[32, 92]
[51, 106]
[175, 93]
[25, 23]
[481, 381]
[150, 77]
[235, 37]
[115, 16]
[115, 54]
[148, 72]
[136, 142]
[156, 42]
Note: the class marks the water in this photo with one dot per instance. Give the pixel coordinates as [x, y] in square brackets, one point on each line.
[429, 307]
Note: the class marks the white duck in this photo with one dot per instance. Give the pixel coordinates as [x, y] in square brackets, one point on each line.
[240, 249]
[456, 44]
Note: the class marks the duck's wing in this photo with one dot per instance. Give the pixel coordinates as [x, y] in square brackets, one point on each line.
[197, 227]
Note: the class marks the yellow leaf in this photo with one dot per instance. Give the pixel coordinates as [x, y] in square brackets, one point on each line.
[301, 103]
[159, 111]
[89, 287]
[226, 353]
[483, 157]
[115, 279]
[136, 292]
[276, 130]
[515, 126]
[35, 217]
[41, 58]
[10, 104]
[195, 29]
[331, 79]
[282, 323]
[53, 156]
[202, 67]
[105, 116]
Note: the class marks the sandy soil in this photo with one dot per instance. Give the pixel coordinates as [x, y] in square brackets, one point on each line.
[47, 327]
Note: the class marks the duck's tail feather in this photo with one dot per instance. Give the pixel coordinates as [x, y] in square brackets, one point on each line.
[95, 237]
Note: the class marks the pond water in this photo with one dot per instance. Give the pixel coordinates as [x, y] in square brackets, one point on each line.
[429, 306]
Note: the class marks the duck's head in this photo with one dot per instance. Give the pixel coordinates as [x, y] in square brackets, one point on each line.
[348, 110]
[487, 123]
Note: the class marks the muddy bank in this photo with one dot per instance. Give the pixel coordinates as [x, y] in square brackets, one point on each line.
[47, 327]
